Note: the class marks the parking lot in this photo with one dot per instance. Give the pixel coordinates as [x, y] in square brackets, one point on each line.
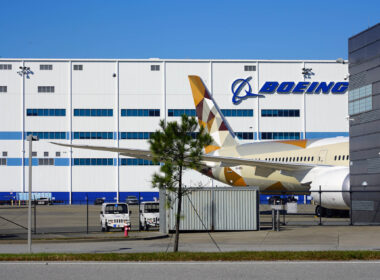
[56, 218]
[85, 218]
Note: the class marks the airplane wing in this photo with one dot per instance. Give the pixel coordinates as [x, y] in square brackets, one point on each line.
[263, 168]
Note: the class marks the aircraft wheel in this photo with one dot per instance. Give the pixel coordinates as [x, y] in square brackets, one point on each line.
[320, 211]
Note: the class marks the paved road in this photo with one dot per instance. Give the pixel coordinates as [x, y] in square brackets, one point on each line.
[191, 270]
[74, 218]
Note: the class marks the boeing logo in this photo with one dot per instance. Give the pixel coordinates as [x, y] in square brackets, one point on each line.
[236, 88]
[286, 88]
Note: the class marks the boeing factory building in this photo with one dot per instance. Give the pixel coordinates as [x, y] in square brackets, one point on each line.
[120, 103]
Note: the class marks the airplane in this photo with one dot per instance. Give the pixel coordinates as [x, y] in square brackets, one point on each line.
[319, 167]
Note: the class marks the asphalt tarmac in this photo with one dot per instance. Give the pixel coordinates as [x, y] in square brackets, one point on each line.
[191, 270]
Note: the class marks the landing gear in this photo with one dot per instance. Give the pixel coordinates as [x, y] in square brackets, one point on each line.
[320, 211]
[329, 213]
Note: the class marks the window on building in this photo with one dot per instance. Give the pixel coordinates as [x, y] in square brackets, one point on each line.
[93, 135]
[249, 67]
[46, 89]
[45, 161]
[280, 135]
[46, 154]
[47, 135]
[45, 112]
[46, 67]
[93, 161]
[244, 135]
[155, 68]
[140, 112]
[57, 154]
[78, 67]
[93, 112]
[237, 112]
[34, 154]
[3, 89]
[5, 154]
[5, 66]
[280, 113]
[136, 161]
[360, 100]
[3, 161]
[135, 135]
[180, 112]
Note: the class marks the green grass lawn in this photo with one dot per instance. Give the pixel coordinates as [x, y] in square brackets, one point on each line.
[201, 256]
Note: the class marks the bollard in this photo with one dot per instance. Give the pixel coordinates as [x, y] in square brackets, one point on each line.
[278, 220]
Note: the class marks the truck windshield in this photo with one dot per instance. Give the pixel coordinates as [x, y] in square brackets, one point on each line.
[116, 209]
[152, 208]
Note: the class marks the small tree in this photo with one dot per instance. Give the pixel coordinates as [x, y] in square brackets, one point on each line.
[178, 147]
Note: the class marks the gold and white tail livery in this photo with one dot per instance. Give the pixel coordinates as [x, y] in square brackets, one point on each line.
[289, 166]
[210, 116]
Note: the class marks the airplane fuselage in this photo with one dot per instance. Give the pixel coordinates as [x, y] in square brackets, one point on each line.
[325, 154]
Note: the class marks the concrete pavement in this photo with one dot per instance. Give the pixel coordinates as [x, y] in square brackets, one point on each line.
[291, 238]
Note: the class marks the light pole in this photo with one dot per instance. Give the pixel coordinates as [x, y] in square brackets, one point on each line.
[30, 138]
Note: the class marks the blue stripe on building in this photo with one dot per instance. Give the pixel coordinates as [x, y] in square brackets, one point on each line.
[62, 162]
[80, 197]
[14, 161]
[34, 161]
[10, 135]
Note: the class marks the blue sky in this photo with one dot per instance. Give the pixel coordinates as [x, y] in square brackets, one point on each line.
[285, 29]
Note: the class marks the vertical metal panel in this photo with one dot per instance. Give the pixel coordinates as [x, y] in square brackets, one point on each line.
[234, 209]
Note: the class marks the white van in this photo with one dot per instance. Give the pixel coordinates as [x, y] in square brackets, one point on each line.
[149, 214]
[114, 215]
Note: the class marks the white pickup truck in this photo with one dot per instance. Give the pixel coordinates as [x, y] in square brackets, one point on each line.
[114, 215]
[149, 214]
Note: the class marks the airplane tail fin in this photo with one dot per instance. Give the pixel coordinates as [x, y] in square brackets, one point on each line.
[210, 116]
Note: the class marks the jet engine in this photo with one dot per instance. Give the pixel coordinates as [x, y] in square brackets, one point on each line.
[330, 188]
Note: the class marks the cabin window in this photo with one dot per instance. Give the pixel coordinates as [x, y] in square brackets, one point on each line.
[339, 158]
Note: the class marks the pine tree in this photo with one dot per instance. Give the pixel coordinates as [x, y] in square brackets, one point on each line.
[177, 147]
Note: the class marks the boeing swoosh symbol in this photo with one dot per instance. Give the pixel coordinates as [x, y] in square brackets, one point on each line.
[236, 88]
